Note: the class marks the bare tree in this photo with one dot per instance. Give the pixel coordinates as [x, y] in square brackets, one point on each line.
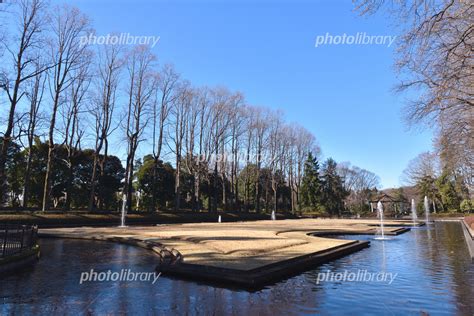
[359, 183]
[218, 128]
[164, 98]
[424, 165]
[102, 109]
[275, 153]
[422, 172]
[179, 111]
[192, 159]
[303, 143]
[237, 123]
[3, 34]
[228, 142]
[72, 130]
[261, 128]
[284, 156]
[201, 167]
[455, 146]
[35, 97]
[29, 18]
[141, 85]
[249, 121]
[67, 55]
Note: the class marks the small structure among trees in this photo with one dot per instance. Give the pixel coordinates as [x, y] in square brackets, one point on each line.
[391, 204]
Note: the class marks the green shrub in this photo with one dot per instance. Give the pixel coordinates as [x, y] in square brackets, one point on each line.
[467, 205]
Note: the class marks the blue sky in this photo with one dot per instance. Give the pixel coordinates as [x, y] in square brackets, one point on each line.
[265, 49]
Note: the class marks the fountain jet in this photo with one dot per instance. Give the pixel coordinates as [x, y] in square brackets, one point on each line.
[380, 212]
[414, 217]
[124, 205]
[427, 210]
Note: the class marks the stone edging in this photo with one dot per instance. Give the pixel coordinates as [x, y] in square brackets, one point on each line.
[323, 233]
[469, 229]
[469, 236]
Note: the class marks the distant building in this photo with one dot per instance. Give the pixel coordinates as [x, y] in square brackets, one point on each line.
[390, 204]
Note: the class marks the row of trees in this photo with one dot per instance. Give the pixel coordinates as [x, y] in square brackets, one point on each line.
[322, 192]
[63, 96]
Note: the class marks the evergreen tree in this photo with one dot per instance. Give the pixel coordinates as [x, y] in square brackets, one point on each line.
[333, 188]
[311, 184]
[450, 200]
[164, 183]
[404, 203]
[426, 186]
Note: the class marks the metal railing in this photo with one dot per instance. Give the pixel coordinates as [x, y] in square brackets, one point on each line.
[15, 239]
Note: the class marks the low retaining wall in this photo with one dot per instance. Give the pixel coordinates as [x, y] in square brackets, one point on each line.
[469, 236]
[394, 232]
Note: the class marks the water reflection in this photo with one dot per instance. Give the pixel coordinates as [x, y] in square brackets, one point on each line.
[435, 275]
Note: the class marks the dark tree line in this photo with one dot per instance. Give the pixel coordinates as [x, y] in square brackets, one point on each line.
[70, 178]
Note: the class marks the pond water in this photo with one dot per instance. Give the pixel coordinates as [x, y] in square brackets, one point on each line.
[434, 275]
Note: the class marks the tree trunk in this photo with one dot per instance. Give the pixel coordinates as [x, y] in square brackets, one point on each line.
[47, 179]
[197, 202]
[224, 197]
[93, 180]
[26, 186]
[4, 149]
[275, 199]
[51, 153]
[152, 207]
[8, 132]
[130, 186]
[177, 189]
[102, 164]
[214, 193]
[67, 204]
